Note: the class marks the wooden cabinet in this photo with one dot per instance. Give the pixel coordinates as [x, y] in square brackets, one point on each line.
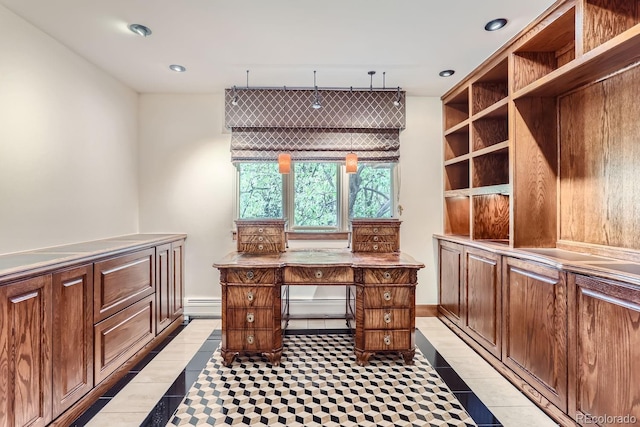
[261, 236]
[72, 336]
[451, 272]
[169, 283]
[385, 312]
[534, 328]
[483, 298]
[375, 235]
[604, 343]
[251, 314]
[26, 352]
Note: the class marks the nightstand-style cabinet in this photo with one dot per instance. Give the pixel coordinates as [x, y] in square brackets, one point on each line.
[261, 236]
[251, 313]
[375, 235]
[385, 312]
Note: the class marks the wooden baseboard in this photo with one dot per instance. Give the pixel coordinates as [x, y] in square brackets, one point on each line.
[426, 310]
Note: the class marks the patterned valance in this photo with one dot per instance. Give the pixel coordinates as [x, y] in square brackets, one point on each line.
[264, 144]
[267, 122]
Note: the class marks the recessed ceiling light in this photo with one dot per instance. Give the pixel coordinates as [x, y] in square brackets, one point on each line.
[495, 24]
[177, 68]
[446, 73]
[140, 30]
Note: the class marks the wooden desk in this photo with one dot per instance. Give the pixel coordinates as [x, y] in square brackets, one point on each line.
[253, 284]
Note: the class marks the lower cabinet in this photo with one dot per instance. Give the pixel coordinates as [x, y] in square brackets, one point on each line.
[604, 374]
[450, 284]
[169, 287]
[483, 292]
[534, 329]
[72, 336]
[25, 352]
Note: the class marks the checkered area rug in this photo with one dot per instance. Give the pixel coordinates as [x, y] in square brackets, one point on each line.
[319, 384]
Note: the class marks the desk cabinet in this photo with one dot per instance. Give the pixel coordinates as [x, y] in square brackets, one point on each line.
[375, 235]
[261, 236]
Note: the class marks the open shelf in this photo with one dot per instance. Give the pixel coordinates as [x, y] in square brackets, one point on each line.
[548, 49]
[457, 176]
[456, 144]
[457, 159]
[456, 110]
[490, 88]
[489, 131]
[491, 217]
[491, 169]
[606, 19]
[456, 213]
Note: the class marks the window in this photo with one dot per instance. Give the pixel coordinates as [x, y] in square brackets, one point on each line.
[318, 196]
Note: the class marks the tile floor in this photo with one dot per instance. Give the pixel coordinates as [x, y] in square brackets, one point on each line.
[150, 393]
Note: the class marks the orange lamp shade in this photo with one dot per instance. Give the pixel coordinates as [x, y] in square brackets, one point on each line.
[284, 163]
[352, 162]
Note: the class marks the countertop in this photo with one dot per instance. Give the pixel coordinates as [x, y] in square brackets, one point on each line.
[19, 264]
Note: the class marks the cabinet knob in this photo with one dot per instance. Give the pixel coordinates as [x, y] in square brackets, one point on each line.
[375, 238]
[250, 317]
[318, 274]
[387, 275]
[250, 274]
[250, 296]
[260, 247]
[387, 339]
[387, 317]
[260, 230]
[375, 247]
[387, 296]
[250, 339]
[260, 239]
[375, 229]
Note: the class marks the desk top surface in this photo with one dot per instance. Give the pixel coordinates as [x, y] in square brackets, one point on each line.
[319, 258]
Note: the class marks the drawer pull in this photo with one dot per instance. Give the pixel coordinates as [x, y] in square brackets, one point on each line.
[250, 275]
[318, 274]
[250, 317]
[260, 247]
[375, 238]
[387, 317]
[375, 230]
[260, 230]
[387, 296]
[375, 247]
[250, 339]
[387, 275]
[387, 339]
[260, 239]
[250, 296]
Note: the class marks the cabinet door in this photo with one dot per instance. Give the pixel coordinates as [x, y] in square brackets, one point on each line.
[534, 334]
[450, 281]
[72, 336]
[25, 352]
[604, 370]
[163, 287]
[177, 282]
[483, 293]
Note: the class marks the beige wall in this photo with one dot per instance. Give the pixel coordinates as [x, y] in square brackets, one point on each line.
[68, 144]
[187, 184]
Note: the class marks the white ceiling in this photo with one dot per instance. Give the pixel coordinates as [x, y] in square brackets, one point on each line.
[281, 42]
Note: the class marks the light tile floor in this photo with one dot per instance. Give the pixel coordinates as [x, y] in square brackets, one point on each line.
[133, 403]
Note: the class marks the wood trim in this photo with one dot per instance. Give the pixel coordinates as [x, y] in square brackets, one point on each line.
[426, 310]
[319, 235]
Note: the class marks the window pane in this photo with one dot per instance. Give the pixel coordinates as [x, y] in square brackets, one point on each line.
[371, 191]
[316, 195]
[260, 191]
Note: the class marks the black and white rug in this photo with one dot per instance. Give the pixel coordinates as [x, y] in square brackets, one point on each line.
[319, 384]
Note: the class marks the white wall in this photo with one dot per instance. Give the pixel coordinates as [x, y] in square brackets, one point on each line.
[187, 185]
[68, 144]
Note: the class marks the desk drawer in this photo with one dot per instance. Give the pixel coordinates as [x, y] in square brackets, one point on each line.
[387, 340]
[375, 247]
[391, 296]
[264, 248]
[249, 296]
[251, 275]
[250, 318]
[390, 318]
[376, 238]
[319, 275]
[385, 276]
[259, 238]
[250, 339]
[261, 230]
[375, 230]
